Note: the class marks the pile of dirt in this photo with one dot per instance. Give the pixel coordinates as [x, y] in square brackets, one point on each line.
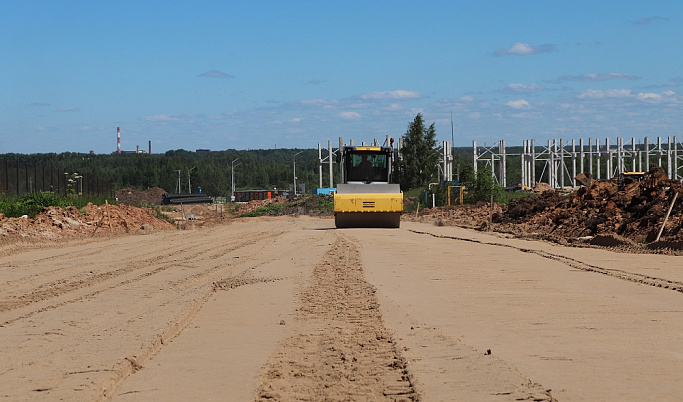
[604, 213]
[635, 211]
[55, 222]
[472, 216]
[255, 205]
[192, 216]
[131, 196]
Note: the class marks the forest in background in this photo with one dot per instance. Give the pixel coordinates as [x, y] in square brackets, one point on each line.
[254, 170]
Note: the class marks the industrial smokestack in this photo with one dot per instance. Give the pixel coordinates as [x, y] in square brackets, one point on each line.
[150, 147]
[118, 140]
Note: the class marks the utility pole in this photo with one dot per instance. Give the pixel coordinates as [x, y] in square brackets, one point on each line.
[80, 183]
[189, 185]
[295, 171]
[232, 169]
[451, 150]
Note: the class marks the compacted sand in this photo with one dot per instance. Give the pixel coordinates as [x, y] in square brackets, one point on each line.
[292, 309]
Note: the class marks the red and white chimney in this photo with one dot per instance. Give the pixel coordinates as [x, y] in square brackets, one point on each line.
[118, 140]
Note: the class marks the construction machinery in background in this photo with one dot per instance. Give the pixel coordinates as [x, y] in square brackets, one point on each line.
[366, 196]
[626, 178]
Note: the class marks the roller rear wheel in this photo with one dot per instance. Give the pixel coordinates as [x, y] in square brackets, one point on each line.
[367, 219]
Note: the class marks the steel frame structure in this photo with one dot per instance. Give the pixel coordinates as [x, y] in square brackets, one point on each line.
[559, 162]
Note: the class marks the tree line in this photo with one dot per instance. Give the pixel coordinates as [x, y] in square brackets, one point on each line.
[186, 171]
[210, 171]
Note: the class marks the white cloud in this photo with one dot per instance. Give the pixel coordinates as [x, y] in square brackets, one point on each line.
[296, 120]
[666, 96]
[649, 96]
[600, 94]
[593, 77]
[517, 87]
[68, 109]
[618, 93]
[522, 115]
[349, 115]
[160, 118]
[521, 48]
[466, 98]
[518, 104]
[525, 49]
[314, 102]
[216, 74]
[650, 20]
[395, 94]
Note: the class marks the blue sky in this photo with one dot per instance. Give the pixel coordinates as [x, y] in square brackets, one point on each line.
[292, 74]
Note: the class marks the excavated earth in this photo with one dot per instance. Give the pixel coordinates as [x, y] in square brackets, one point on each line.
[55, 222]
[628, 216]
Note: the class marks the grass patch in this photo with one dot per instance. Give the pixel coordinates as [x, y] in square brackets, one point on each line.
[31, 204]
[513, 195]
[305, 204]
[266, 210]
[161, 215]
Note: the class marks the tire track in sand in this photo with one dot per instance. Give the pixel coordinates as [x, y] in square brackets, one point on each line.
[109, 336]
[79, 284]
[663, 283]
[339, 348]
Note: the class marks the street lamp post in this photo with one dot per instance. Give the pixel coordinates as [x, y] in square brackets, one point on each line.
[189, 185]
[295, 171]
[80, 184]
[232, 169]
[66, 181]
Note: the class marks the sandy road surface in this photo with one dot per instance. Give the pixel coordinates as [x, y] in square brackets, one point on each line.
[290, 309]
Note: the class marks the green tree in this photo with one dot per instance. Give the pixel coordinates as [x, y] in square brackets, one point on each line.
[419, 154]
[479, 186]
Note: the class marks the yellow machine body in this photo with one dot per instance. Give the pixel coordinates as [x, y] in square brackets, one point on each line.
[368, 202]
[368, 205]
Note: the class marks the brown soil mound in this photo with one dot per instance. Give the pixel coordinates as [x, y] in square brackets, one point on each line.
[474, 216]
[635, 211]
[55, 222]
[610, 240]
[611, 214]
[131, 196]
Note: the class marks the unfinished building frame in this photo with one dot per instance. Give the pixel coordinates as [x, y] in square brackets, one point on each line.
[555, 162]
[558, 162]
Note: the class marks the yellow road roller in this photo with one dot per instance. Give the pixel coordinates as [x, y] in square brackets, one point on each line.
[368, 198]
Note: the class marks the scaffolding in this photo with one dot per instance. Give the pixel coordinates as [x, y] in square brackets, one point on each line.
[492, 156]
[555, 162]
[558, 162]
